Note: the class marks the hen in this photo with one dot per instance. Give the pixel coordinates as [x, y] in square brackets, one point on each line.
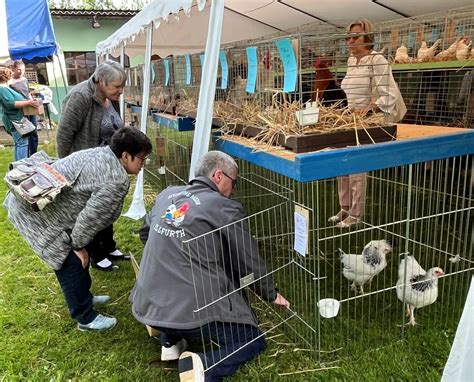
[425, 53]
[362, 268]
[415, 287]
[450, 53]
[463, 50]
[401, 55]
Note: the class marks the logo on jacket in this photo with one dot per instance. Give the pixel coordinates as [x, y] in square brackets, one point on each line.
[175, 216]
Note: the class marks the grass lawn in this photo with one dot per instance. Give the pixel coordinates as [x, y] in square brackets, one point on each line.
[39, 341]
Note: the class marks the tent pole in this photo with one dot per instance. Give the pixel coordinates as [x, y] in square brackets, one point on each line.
[207, 90]
[137, 208]
[122, 99]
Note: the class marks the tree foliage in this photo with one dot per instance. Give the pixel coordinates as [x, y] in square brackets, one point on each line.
[98, 4]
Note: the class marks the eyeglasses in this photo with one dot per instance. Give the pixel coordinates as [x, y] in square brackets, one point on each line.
[142, 158]
[354, 36]
[234, 181]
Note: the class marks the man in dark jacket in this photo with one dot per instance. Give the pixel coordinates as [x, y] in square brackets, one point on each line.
[198, 256]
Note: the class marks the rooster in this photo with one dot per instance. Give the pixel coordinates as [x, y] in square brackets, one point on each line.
[426, 54]
[415, 287]
[450, 53]
[362, 268]
[325, 89]
[463, 49]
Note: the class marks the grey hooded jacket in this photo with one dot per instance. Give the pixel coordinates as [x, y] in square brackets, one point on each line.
[197, 250]
[80, 121]
[99, 186]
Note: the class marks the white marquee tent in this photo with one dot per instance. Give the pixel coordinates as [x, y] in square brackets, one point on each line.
[176, 27]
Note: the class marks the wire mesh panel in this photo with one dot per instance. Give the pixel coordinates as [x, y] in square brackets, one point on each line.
[423, 212]
[233, 250]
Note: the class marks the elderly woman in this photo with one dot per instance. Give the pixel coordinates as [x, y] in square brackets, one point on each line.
[370, 88]
[12, 104]
[90, 116]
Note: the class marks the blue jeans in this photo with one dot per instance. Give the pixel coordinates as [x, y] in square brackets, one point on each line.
[33, 136]
[20, 145]
[230, 336]
[75, 283]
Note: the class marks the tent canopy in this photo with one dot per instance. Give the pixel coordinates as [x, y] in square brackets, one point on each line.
[26, 30]
[176, 33]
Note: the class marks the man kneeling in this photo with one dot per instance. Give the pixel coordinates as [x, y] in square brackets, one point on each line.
[191, 290]
[60, 232]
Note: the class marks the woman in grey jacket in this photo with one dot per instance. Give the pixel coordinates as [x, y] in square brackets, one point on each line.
[89, 118]
[60, 232]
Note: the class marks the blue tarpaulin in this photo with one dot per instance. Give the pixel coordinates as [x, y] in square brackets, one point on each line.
[26, 30]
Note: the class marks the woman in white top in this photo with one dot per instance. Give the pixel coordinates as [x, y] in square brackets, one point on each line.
[370, 88]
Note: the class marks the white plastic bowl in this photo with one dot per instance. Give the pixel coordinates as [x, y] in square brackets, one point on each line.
[328, 307]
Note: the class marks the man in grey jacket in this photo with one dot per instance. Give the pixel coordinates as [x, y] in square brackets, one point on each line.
[191, 289]
[60, 232]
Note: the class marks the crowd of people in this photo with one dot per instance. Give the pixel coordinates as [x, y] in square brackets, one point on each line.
[97, 153]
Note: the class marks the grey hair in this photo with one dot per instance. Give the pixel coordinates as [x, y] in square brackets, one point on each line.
[214, 160]
[110, 71]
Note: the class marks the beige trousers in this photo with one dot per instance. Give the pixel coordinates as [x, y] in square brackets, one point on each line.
[352, 190]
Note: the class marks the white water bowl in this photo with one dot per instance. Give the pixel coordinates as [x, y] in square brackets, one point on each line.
[328, 307]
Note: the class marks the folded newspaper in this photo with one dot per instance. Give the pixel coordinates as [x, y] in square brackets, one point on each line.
[34, 181]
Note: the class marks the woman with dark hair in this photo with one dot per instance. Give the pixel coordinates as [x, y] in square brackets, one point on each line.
[12, 104]
[60, 233]
[89, 118]
[370, 88]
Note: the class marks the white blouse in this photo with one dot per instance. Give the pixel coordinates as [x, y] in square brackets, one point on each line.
[370, 80]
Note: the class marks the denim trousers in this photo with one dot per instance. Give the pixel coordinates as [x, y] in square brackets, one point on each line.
[238, 343]
[75, 283]
[20, 145]
[33, 136]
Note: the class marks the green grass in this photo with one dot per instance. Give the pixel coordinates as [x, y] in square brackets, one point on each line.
[39, 341]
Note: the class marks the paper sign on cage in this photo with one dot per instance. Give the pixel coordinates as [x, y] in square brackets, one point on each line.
[224, 69]
[188, 69]
[167, 72]
[301, 230]
[252, 64]
[287, 55]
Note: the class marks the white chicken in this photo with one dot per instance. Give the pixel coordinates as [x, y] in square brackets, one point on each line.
[362, 268]
[415, 287]
[450, 53]
[463, 49]
[401, 55]
[426, 54]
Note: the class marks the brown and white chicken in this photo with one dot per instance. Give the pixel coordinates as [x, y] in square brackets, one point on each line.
[401, 55]
[463, 49]
[450, 53]
[416, 287]
[426, 54]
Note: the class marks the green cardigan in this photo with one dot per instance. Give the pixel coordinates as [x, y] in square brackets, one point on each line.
[8, 97]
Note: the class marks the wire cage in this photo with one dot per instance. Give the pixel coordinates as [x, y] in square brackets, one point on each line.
[432, 63]
[423, 211]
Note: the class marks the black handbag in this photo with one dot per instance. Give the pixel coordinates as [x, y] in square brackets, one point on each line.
[24, 127]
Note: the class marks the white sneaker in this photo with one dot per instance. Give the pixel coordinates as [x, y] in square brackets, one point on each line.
[191, 368]
[173, 352]
[116, 253]
[100, 300]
